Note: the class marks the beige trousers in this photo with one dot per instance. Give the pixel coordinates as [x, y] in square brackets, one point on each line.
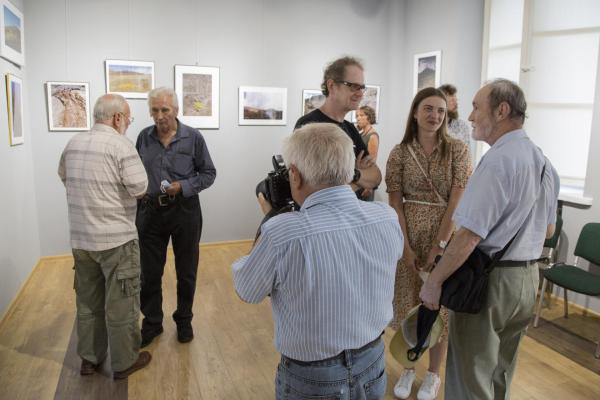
[482, 348]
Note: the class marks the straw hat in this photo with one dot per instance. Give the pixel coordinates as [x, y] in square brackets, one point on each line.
[406, 338]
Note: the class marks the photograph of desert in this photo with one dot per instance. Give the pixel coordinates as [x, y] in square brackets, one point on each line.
[16, 116]
[129, 78]
[68, 106]
[197, 95]
[12, 30]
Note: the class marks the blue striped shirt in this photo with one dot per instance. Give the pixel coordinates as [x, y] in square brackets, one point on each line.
[504, 193]
[329, 269]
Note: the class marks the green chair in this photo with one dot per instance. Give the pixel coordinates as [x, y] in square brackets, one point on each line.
[550, 258]
[571, 277]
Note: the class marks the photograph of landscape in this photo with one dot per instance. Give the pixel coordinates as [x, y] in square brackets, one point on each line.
[12, 30]
[131, 79]
[262, 106]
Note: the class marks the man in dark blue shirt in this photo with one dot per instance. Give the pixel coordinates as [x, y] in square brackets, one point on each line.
[179, 167]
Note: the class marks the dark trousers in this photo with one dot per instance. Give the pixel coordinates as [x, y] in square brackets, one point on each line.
[181, 221]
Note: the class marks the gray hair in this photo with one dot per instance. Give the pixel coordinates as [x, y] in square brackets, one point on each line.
[323, 154]
[108, 105]
[336, 71]
[163, 91]
[504, 90]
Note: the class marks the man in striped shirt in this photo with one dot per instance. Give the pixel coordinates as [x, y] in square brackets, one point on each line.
[329, 269]
[104, 175]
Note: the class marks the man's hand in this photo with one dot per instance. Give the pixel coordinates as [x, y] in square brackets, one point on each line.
[364, 162]
[430, 294]
[265, 206]
[174, 188]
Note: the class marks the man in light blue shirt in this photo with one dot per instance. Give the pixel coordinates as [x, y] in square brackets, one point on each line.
[329, 269]
[514, 190]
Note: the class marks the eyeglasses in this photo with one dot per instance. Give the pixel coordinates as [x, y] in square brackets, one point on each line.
[354, 87]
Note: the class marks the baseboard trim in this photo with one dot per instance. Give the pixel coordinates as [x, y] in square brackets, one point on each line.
[11, 306]
[44, 259]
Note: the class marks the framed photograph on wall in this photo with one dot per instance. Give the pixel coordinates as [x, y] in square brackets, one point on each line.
[262, 106]
[14, 102]
[371, 99]
[311, 100]
[12, 33]
[130, 79]
[68, 106]
[198, 95]
[427, 70]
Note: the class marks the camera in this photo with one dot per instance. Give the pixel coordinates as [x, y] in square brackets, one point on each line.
[276, 186]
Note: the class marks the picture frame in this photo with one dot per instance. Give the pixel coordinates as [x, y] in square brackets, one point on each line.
[12, 33]
[198, 91]
[14, 103]
[68, 106]
[130, 79]
[427, 70]
[371, 99]
[311, 100]
[262, 105]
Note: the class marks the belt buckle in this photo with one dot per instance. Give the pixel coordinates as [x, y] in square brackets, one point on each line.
[163, 200]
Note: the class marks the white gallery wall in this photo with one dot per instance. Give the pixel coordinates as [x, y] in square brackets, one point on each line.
[280, 43]
[19, 233]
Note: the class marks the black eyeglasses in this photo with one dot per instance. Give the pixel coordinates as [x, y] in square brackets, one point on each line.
[354, 87]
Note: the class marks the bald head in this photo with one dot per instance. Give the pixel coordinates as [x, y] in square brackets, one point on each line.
[112, 110]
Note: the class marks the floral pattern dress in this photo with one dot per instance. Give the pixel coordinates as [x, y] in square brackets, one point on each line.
[423, 220]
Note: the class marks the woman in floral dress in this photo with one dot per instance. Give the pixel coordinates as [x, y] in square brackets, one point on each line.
[425, 176]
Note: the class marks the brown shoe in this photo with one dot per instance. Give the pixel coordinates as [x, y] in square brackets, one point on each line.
[87, 367]
[143, 360]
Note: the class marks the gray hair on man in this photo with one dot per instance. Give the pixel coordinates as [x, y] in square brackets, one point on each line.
[107, 106]
[323, 154]
[504, 90]
[163, 92]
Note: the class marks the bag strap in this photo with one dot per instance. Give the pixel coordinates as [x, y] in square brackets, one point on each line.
[412, 153]
[499, 254]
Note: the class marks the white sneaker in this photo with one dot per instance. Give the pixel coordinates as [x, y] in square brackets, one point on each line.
[430, 387]
[404, 384]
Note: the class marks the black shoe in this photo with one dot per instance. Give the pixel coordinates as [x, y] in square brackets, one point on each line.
[88, 367]
[148, 336]
[185, 333]
[143, 360]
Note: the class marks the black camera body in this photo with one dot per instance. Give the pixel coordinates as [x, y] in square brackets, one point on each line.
[276, 186]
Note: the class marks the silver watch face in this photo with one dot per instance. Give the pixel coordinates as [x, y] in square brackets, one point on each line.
[443, 244]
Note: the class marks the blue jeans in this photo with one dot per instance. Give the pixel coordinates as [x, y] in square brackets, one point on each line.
[353, 375]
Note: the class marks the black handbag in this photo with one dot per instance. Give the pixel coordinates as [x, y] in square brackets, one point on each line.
[466, 289]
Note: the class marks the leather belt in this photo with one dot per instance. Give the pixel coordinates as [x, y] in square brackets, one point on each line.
[160, 201]
[337, 357]
[509, 263]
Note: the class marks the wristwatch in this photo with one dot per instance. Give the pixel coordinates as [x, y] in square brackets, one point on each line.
[356, 177]
[442, 244]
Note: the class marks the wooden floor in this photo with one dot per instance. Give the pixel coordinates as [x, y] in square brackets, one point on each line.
[231, 357]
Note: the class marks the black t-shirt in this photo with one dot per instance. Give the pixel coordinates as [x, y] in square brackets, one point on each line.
[318, 116]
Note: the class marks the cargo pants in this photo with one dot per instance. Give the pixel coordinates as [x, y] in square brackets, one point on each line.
[107, 285]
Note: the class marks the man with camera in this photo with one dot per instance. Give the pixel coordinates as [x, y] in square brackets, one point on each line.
[329, 269]
[509, 203]
[179, 166]
[343, 86]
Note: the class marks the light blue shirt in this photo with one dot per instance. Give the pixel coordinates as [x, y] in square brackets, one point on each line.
[505, 192]
[329, 269]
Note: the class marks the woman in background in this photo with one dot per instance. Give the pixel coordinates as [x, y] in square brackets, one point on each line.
[425, 176]
[365, 118]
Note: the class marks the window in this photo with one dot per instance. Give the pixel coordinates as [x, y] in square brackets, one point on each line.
[550, 47]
